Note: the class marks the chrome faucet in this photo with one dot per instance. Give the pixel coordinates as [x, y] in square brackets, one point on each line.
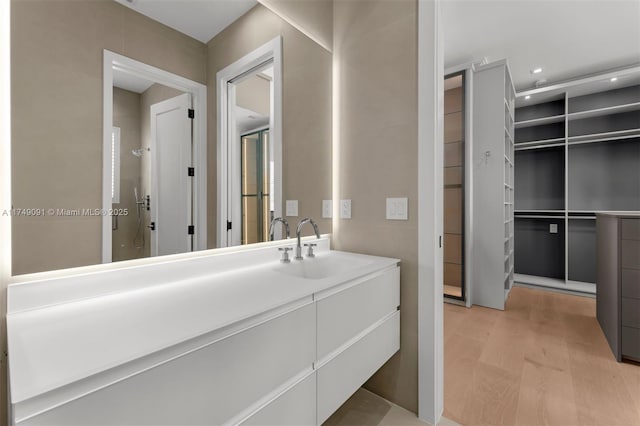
[300, 225]
[272, 227]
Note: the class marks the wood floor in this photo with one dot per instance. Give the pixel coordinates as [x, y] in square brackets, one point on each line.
[368, 409]
[542, 361]
[450, 290]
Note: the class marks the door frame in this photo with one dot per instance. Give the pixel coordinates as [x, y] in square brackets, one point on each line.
[467, 70]
[430, 212]
[198, 93]
[270, 51]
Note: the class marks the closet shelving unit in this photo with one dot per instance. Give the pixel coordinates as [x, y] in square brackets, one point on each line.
[493, 181]
[577, 153]
[509, 184]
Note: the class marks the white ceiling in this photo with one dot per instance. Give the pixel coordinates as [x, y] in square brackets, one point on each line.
[566, 38]
[200, 19]
[130, 82]
[247, 119]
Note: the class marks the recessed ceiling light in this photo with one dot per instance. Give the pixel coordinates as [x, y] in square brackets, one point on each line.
[613, 79]
[536, 71]
[526, 98]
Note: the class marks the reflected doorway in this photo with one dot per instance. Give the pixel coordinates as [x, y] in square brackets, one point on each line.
[154, 161]
[250, 146]
[454, 186]
[257, 187]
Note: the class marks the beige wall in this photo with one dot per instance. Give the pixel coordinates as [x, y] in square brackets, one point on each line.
[56, 67]
[315, 17]
[126, 116]
[375, 46]
[306, 111]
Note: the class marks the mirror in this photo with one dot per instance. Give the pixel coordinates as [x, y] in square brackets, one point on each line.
[58, 64]
[252, 112]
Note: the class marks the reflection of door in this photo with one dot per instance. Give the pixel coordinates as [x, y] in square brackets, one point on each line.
[171, 187]
[255, 187]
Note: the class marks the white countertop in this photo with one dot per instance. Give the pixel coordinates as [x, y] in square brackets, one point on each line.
[60, 343]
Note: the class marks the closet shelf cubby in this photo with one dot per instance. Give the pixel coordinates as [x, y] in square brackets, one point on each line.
[577, 152]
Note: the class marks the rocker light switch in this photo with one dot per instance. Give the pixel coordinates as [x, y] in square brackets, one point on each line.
[345, 209]
[553, 228]
[397, 208]
[292, 208]
[327, 209]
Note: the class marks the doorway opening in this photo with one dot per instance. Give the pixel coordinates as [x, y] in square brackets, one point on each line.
[257, 179]
[154, 161]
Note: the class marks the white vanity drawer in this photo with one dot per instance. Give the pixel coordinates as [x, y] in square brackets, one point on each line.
[344, 374]
[295, 407]
[341, 316]
[208, 386]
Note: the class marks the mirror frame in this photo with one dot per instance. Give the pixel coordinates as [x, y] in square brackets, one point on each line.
[198, 93]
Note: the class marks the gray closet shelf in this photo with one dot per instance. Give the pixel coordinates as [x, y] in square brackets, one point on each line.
[577, 153]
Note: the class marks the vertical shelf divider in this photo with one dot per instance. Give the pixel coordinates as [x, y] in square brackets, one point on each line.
[566, 188]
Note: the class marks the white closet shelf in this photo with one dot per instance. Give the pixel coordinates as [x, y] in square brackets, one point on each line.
[579, 115]
[506, 131]
[582, 286]
[574, 286]
[605, 137]
[540, 211]
[536, 280]
[543, 143]
[535, 216]
[539, 121]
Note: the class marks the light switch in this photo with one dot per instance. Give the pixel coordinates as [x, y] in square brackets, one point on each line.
[345, 209]
[553, 228]
[397, 208]
[327, 209]
[292, 208]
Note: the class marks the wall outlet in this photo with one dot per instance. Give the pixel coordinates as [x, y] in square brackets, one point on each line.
[345, 209]
[397, 208]
[553, 228]
[292, 208]
[327, 209]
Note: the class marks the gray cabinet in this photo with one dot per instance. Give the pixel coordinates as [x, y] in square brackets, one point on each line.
[618, 282]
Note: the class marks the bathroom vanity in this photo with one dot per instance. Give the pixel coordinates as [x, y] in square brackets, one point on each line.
[231, 337]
